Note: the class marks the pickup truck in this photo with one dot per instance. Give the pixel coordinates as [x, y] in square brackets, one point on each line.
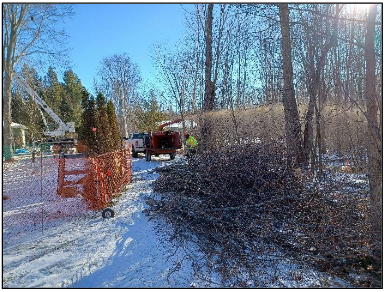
[137, 140]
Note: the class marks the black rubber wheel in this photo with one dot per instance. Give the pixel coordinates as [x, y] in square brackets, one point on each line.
[148, 156]
[108, 213]
[134, 153]
[172, 156]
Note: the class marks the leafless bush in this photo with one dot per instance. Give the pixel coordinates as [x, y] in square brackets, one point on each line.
[343, 128]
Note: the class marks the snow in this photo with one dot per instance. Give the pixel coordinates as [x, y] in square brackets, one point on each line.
[76, 247]
[86, 251]
[33, 199]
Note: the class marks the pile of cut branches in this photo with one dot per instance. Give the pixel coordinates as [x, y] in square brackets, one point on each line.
[237, 198]
[232, 177]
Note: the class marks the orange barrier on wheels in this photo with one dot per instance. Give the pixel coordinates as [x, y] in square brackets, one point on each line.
[68, 188]
[103, 176]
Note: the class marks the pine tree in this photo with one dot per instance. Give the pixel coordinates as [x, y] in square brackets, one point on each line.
[24, 110]
[65, 110]
[53, 95]
[103, 137]
[116, 140]
[73, 96]
[88, 125]
[148, 118]
[27, 114]
[99, 128]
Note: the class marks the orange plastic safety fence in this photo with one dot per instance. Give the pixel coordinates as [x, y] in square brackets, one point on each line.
[102, 177]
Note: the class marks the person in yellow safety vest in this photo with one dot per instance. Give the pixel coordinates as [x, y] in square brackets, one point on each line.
[191, 144]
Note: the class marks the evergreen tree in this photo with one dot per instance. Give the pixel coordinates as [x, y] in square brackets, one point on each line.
[89, 123]
[99, 128]
[149, 116]
[19, 114]
[51, 78]
[53, 94]
[31, 75]
[65, 110]
[24, 109]
[116, 141]
[103, 137]
[65, 99]
[73, 96]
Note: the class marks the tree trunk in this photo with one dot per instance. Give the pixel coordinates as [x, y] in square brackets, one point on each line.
[125, 125]
[7, 118]
[374, 139]
[315, 83]
[124, 110]
[209, 86]
[197, 63]
[309, 131]
[218, 48]
[208, 103]
[292, 124]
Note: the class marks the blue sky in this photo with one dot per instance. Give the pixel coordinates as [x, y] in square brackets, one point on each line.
[101, 30]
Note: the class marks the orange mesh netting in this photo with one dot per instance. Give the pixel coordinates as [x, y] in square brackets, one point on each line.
[98, 178]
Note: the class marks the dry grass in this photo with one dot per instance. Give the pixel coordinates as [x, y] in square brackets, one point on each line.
[344, 127]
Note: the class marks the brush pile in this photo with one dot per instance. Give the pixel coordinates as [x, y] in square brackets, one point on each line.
[232, 177]
[248, 198]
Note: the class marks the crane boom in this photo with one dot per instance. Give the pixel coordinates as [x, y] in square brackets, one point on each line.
[63, 127]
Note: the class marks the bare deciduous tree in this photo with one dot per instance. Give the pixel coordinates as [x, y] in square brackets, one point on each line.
[177, 71]
[317, 56]
[28, 32]
[372, 116]
[209, 99]
[292, 125]
[119, 80]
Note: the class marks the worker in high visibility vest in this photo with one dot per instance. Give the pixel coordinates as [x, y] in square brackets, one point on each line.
[191, 144]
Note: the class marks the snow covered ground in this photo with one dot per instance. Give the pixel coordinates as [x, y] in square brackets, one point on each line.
[83, 250]
[75, 247]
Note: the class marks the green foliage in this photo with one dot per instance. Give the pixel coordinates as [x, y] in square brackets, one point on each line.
[103, 137]
[65, 99]
[73, 96]
[51, 78]
[65, 110]
[149, 115]
[27, 114]
[89, 122]
[24, 110]
[71, 102]
[116, 141]
[18, 109]
[54, 92]
[99, 129]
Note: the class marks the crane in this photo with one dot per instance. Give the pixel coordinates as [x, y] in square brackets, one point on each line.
[63, 127]
[63, 144]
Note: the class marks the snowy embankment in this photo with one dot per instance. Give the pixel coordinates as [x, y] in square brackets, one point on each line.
[78, 248]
